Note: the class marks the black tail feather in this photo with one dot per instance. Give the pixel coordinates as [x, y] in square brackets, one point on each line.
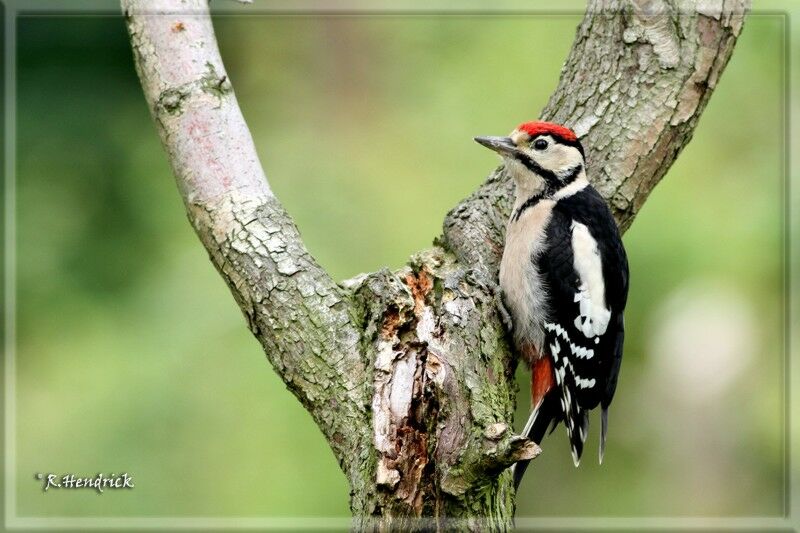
[603, 433]
[548, 412]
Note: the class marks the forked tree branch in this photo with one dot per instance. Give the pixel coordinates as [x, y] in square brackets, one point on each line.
[407, 373]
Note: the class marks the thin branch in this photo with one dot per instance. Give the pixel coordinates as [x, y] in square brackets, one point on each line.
[301, 317]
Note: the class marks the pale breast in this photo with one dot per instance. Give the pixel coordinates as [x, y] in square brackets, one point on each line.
[523, 291]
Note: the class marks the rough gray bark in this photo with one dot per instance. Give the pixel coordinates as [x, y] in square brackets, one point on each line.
[408, 373]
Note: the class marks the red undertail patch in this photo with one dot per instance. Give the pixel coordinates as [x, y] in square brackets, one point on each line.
[542, 379]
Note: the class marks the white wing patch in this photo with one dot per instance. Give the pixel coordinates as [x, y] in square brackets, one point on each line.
[593, 317]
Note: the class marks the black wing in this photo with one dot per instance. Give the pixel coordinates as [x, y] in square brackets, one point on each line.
[586, 366]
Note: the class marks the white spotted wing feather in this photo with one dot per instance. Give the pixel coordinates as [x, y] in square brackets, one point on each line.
[586, 274]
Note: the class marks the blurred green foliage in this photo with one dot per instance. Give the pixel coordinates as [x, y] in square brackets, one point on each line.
[132, 356]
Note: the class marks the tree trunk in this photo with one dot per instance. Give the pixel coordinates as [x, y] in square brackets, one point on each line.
[408, 374]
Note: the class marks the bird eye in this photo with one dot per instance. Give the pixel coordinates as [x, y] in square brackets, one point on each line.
[540, 144]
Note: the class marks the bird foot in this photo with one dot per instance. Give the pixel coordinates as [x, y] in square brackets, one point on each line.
[505, 316]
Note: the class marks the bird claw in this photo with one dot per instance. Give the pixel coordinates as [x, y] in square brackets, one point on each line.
[505, 316]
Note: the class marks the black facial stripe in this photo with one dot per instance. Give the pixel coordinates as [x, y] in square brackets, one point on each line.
[549, 177]
[549, 188]
[573, 174]
[533, 200]
[530, 202]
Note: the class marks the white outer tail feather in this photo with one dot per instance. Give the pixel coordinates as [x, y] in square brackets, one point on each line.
[603, 433]
[528, 427]
[584, 430]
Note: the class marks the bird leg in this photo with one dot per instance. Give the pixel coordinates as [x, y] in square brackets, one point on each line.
[505, 316]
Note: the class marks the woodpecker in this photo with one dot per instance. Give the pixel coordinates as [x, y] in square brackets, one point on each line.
[563, 281]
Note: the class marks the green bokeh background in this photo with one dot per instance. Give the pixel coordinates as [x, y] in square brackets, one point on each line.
[132, 355]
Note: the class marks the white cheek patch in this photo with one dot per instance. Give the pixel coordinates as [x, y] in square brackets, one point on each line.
[593, 317]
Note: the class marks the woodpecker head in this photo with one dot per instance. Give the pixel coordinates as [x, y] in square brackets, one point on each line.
[542, 157]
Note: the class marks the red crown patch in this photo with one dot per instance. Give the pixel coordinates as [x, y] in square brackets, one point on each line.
[556, 130]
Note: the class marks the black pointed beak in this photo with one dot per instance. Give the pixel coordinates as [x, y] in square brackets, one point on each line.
[501, 145]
